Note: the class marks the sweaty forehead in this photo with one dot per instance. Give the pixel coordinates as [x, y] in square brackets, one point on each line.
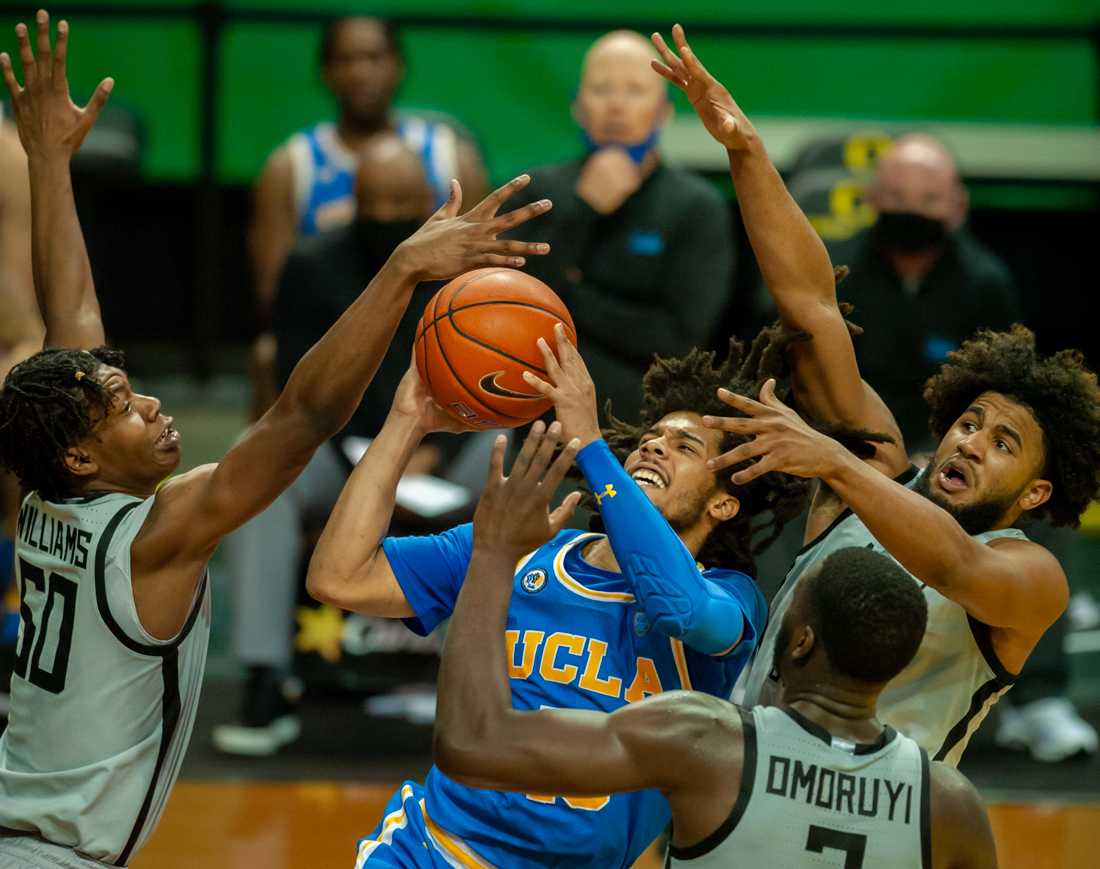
[109, 376]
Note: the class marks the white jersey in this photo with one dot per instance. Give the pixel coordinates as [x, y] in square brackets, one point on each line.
[811, 799]
[948, 688]
[101, 712]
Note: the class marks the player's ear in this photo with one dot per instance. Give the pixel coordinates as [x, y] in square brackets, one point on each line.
[1035, 495]
[723, 506]
[804, 644]
[79, 462]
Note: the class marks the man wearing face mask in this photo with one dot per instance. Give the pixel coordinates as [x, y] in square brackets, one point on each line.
[919, 281]
[323, 274]
[641, 252]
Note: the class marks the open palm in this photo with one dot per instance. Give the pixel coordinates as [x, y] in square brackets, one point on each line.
[713, 104]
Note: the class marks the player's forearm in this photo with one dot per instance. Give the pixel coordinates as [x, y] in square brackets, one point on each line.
[352, 538]
[792, 258]
[62, 273]
[677, 598]
[473, 691]
[327, 384]
[904, 522]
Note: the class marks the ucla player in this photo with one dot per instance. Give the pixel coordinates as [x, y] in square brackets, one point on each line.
[817, 781]
[110, 563]
[1018, 437]
[663, 601]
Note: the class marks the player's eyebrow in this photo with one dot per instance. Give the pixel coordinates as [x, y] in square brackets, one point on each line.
[1010, 432]
[691, 437]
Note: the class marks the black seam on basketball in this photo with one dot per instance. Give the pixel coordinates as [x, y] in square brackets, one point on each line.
[517, 304]
[480, 343]
[461, 382]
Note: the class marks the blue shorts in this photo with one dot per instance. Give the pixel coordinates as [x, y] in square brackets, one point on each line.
[406, 838]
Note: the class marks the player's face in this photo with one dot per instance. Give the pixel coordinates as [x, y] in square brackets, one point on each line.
[363, 71]
[135, 446]
[670, 467]
[987, 468]
[621, 99]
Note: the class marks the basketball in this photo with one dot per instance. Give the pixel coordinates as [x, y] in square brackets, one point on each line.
[478, 335]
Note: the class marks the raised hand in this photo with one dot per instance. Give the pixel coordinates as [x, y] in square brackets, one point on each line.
[570, 388]
[713, 104]
[450, 244]
[413, 400]
[514, 512]
[50, 124]
[781, 439]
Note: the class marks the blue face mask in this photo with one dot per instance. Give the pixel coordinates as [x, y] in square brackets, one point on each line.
[637, 152]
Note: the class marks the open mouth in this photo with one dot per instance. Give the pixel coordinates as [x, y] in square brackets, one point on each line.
[168, 436]
[648, 477]
[954, 477]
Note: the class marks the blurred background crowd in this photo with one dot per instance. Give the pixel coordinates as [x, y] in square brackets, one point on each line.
[260, 159]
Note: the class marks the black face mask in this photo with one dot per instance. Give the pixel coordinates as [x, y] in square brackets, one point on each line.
[908, 232]
[381, 237]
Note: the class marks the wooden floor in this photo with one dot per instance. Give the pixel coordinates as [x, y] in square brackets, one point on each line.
[274, 825]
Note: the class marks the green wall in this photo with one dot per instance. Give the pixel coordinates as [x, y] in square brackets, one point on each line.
[512, 87]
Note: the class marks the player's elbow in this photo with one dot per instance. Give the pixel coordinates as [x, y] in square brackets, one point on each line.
[459, 751]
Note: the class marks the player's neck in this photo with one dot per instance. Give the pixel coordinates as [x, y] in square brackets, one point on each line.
[353, 132]
[105, 487]
[599, 554]
[847, 714]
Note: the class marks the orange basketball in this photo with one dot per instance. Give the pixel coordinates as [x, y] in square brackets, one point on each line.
[476, 338]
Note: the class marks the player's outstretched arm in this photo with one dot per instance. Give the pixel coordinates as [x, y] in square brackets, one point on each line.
[1007, 583]
[348, 568]
[677, 598]
[679, 742]
[328, 383]
[51, 128]
[961, 835]
[792, 258]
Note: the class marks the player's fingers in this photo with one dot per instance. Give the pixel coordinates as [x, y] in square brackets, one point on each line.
[741, 453]
[539, 384]
[60, 52]
[564, 512]
[496, 259]
[530, 444]
[553, 477]
[553, 368]
[453, 203]
[740, 402]
[735, 424]
[758, 469]
[692, 64]
[519, 216]
[496, 459]
[668, 74]
[490, 205]
[672, 63]
[544, 455]
[768, 396]
[9, 76]
[42, 39]
[567, 351]
[98, 101]
[26, 54]
[531, 248]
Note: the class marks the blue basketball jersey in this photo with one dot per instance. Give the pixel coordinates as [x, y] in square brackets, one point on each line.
[324, 169]
[576, 639]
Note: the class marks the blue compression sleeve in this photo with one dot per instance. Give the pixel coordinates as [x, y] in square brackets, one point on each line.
[677, 598]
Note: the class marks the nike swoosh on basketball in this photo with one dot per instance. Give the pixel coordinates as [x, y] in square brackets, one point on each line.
[488, 383]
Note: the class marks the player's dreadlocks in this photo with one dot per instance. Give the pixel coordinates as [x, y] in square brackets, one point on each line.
[48, 404]
[1059, 391]
[691, 382]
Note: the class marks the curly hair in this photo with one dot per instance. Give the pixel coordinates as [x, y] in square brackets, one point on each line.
[49, 403]
[690, 383]
[1059, 391]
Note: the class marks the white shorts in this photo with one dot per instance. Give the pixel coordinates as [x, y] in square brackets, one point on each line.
[27, 852]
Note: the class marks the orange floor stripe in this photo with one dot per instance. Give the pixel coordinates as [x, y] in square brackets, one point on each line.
[276, 825]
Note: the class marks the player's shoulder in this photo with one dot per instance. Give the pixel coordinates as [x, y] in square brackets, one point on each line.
[952, 794]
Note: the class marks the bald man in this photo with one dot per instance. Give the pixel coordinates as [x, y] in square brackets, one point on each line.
[920, 282]
[641, 252]
[322, 276]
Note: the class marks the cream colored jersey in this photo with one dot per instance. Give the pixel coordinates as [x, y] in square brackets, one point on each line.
[808, 799]
[948, 688]
[101, 712]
